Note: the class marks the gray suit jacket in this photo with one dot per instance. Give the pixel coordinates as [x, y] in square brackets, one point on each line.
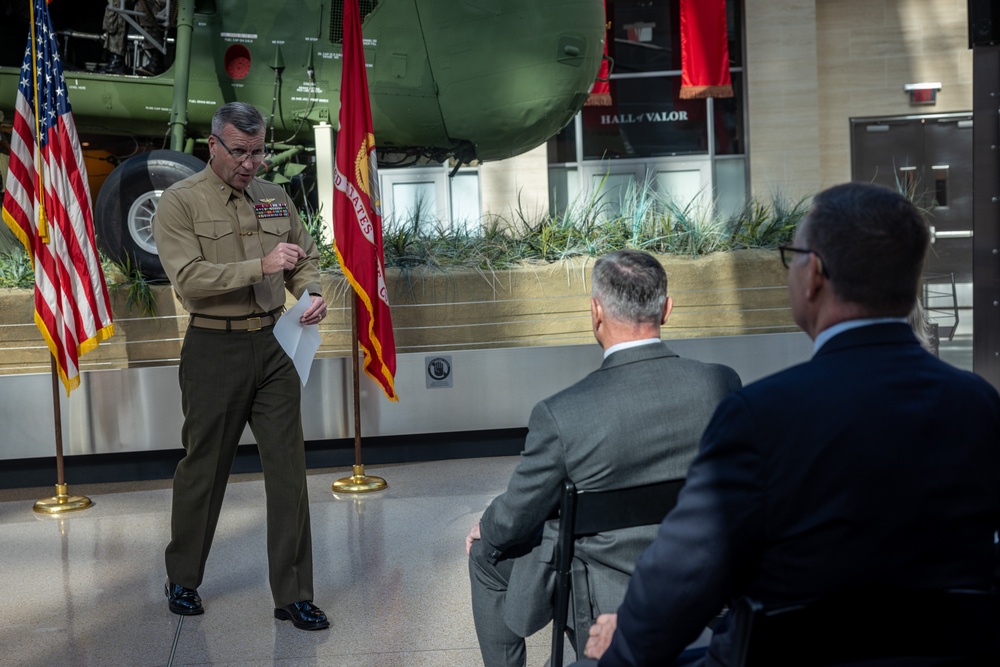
[635, 420]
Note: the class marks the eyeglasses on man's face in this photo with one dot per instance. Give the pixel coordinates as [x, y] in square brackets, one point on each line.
[240, 154]
[788, 256]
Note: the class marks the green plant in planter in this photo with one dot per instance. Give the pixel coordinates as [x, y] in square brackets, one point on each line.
[495, 248]
[402, 246]
[139, 295]
[15, 269]
[16, 272]
[760, 225]
[645, 218]
[313, 221]
[691, 231]
[589, 227]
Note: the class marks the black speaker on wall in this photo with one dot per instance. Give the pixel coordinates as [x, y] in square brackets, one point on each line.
[984, 22]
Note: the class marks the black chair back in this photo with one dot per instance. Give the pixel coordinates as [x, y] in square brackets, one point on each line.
[583, 513]
[908, 627]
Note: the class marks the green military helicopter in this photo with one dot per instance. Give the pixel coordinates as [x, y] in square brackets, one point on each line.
[459, 80]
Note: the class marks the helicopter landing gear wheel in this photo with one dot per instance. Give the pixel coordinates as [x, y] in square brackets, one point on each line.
[123, 214]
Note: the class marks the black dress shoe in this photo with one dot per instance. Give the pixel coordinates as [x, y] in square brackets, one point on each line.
[183, 601]
[304, 615]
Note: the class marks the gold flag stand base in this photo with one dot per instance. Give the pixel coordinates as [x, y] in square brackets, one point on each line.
[359, 482]
[62, 502]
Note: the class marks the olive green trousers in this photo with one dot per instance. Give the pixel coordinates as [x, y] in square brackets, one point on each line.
[227, 380]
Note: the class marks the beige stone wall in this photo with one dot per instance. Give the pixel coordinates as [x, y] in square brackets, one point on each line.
[814, 64]
[782, 96]
[522, 180]
[869, 49]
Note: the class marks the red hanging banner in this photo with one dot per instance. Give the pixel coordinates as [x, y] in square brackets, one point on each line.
[704, 50]
[600, 92]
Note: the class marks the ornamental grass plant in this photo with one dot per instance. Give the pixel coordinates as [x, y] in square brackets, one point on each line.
[590, 226]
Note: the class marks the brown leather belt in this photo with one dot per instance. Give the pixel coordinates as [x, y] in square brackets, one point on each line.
[244, 323]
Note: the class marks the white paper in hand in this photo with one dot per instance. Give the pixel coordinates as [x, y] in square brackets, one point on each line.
[299, 341]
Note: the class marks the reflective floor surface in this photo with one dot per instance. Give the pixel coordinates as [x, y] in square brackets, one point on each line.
[86, 589]
[390, 567]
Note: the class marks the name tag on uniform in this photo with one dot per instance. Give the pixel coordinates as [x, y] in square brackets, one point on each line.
[266, 208]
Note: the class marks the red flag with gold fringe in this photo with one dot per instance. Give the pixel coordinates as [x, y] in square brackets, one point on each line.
[704, 50]
[47, 205]
[357, 218]
[600, 92]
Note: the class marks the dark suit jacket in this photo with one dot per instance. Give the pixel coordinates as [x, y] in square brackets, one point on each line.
[635, 420]
[874, 464]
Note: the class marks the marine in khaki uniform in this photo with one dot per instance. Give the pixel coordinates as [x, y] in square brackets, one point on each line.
[231, 245]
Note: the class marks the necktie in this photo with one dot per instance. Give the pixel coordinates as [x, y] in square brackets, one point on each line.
[250, 233]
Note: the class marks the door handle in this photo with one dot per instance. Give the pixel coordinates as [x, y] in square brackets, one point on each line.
[956, 234]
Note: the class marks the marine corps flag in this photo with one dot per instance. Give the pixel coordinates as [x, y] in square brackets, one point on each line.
[357, 219]
[47, 205]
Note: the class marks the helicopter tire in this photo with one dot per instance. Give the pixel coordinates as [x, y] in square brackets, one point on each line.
[123, 213]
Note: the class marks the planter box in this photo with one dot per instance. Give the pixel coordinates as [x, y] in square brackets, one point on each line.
[723, 294]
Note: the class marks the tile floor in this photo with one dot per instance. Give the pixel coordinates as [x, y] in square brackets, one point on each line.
[86, 589]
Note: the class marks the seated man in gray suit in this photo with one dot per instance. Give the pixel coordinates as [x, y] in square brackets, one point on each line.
[635, 420]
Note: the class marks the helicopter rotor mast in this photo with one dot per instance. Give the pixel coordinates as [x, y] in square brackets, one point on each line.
[182, 74]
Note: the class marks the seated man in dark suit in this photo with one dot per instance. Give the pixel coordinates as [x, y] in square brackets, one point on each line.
[872, 466]
[636, 420]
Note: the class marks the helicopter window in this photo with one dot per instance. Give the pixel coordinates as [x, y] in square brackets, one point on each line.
[337, 17]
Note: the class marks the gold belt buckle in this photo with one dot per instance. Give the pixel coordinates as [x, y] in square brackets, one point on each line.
[253, 324]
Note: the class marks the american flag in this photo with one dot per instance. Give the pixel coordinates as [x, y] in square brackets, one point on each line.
[47, 205]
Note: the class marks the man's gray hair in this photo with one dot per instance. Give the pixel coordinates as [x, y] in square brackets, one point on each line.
[244, 117]
[631, 286]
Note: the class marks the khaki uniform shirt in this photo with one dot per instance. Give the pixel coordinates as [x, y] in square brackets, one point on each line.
[211, 239]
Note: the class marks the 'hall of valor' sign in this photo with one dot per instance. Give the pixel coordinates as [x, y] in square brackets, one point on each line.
[648, 117]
